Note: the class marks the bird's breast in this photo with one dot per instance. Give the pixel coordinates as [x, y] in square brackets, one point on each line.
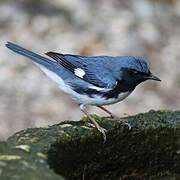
[98, 99]
[115, 99]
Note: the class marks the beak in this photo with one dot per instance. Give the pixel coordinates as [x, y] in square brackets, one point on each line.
[152, 77]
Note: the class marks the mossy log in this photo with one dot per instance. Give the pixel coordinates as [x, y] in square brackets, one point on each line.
[73, 150]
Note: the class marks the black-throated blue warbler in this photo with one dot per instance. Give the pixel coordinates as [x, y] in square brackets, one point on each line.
[98, 80]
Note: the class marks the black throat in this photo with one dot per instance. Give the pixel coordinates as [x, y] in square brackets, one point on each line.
[121, 87]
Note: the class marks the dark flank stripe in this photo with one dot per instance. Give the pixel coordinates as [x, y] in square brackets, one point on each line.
[120, 88]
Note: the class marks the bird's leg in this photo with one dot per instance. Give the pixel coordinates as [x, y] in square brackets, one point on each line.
[114, 116]
[101, 129]
[104, 109]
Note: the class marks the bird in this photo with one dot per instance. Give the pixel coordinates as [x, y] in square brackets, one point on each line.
[95, 80]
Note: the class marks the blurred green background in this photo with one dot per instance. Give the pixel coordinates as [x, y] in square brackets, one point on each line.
[146, 28]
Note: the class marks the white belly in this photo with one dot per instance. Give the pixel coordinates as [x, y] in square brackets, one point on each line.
[82, 98]
[98, 100]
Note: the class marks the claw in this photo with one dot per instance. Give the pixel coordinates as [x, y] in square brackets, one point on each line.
[122, 121]
[100, 129]
[95, 124]
[103, 131]
[129, 126]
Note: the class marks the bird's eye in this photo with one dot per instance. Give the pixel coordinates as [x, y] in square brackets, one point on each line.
[134, 71]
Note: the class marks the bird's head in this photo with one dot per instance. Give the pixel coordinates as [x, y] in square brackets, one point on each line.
[136, 71]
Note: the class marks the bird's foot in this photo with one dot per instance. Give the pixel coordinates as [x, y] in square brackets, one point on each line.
[126, 123]
[121, 120]
[100, 129]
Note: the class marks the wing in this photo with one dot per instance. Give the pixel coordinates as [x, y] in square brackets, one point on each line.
[86, 70]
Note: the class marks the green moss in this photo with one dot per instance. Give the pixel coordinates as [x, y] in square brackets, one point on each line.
[18, 164]
[150, 150]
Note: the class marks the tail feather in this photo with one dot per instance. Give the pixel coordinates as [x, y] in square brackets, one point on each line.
[35, 57]
[51, 68]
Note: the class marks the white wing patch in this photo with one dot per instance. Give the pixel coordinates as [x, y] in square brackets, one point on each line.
[79, 72]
